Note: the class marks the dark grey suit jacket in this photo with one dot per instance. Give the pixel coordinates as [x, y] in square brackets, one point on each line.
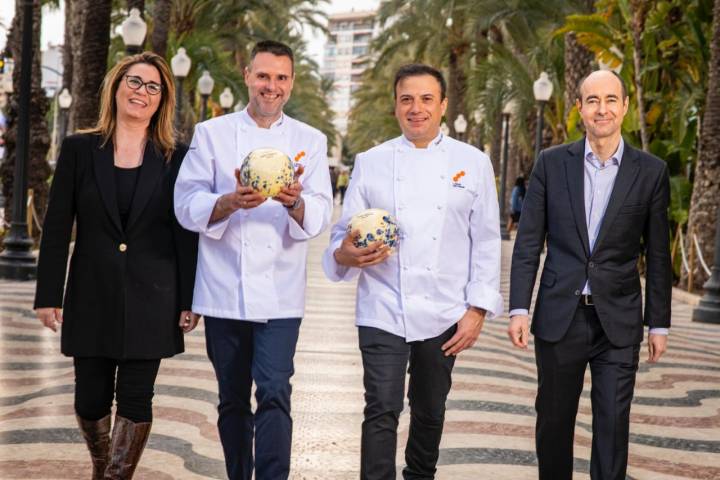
[635, 221]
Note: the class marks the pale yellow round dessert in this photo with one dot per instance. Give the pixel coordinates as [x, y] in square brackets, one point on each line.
[267, 171]
[372, 225]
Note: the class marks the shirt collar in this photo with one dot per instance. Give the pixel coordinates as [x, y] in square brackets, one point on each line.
[248, 120]
[614, 159]
[431, 146]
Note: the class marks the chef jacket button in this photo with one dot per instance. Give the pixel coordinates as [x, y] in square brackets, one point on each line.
[439, 207]
[577, 292]
[405, 268]
[434, 238]
[428, 268]
[442, 177]
[122, 247]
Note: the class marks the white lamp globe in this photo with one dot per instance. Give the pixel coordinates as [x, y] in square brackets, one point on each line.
[180, 63]
[133, 29]
[205, 83]
[542, 88]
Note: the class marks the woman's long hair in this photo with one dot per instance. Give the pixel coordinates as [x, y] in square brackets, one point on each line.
[161, 129]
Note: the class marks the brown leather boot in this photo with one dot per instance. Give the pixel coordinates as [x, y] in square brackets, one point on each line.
[128, 442]
[97, 437]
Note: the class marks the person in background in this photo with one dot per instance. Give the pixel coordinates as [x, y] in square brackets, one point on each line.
[516, 200]
[343, 180]
[129, 289]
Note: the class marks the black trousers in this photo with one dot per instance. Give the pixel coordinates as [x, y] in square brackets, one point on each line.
[385, 360]
[95, 387]
[561, 369]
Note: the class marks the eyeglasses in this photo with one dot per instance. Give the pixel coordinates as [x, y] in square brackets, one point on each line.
[135, 82]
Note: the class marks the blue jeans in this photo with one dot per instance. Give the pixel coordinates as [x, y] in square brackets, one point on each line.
[242, 352]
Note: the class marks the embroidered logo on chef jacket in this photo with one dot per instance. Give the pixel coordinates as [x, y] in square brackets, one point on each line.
[456, 179]
[297, 160]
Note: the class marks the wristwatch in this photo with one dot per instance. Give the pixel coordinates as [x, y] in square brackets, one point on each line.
[295, 205]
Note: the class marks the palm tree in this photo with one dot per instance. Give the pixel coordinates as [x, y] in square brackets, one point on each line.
[161, 26]
[706, 192]
[90, 63]
[38, 168]
[577, 62]
[639, 14]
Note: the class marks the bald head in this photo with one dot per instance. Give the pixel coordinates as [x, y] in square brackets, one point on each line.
[602, 78]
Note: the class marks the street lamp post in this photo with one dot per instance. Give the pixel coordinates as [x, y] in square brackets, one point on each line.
[64, 102]
[205, 86]
[542, 89]
[226, 100]
[478, 115]
[460, 125]
[180, 64]
[16, 261]
[444, 129]
[133, 30]
[507, 111]
[708, 310]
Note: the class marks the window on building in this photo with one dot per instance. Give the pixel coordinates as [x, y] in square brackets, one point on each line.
[361, 50]
[361, 38]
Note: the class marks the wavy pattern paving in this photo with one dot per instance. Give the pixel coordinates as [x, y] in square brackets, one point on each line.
[489, 432]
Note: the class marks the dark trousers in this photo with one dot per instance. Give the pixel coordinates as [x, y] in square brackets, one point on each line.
[242, 352]
[385, 360]
[561, 369]
[95, 387]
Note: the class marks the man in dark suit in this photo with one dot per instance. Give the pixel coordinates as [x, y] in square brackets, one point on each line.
[599, 203]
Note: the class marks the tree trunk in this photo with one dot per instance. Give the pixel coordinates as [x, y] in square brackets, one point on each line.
[90, 64]
[457, 85]
[70, 21]
[38, 169]
[161, 26]
[578, 64]
[639, 9]
[706, 190]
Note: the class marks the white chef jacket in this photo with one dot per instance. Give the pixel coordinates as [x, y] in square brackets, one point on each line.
[448, 258]
[251, 265]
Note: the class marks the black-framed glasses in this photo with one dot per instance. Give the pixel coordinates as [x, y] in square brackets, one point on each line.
[134, 82]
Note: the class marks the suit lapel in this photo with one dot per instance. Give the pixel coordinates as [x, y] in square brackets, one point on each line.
[575, 173]
[627, 173]
[105, 178]
[151, 169]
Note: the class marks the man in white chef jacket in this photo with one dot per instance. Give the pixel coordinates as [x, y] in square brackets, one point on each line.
[250, 282]
[426, 302]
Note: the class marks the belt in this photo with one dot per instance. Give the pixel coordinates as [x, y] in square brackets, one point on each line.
[587, 300]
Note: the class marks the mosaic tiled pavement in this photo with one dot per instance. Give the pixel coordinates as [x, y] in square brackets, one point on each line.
[675, 429]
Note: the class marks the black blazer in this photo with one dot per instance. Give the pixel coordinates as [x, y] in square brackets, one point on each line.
[125, 288]
[635, 220]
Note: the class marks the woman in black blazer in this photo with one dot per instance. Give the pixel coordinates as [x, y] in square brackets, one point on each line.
[130, 283]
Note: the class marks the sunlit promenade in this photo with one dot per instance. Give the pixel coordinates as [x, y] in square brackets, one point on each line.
[489, 429]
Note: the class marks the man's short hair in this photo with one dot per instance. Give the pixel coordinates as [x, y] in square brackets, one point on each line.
[578, 93]
[416, 70]
[278, 49]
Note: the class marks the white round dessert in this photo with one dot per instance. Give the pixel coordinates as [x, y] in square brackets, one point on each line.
[372, 225]
[267, 171]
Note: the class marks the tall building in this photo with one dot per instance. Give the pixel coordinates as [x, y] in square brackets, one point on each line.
[345, 58]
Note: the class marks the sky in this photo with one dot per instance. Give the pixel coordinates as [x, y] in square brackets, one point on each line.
[53, 23]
